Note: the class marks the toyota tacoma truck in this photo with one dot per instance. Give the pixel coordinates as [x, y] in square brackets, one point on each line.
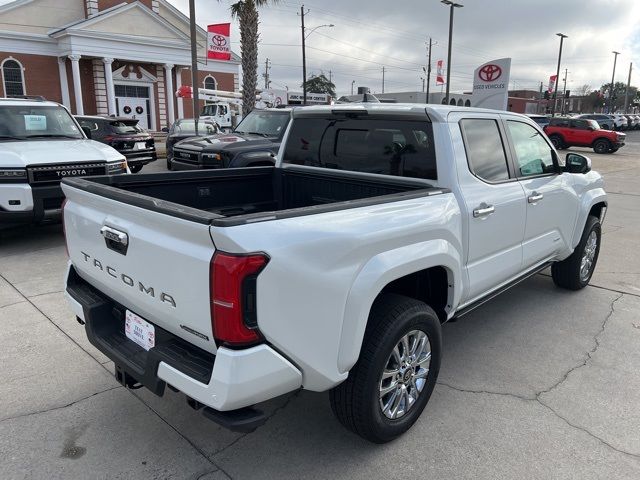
[333, 270]
[40, 144]
[254, 142]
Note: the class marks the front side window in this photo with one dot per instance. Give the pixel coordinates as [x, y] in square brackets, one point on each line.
[533, 153]
[485, 150]
[13, 79]
[386, 147]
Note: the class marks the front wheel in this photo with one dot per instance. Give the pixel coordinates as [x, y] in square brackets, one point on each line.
[557, 142]
[396, 373]
[602, 146]
[574, 272]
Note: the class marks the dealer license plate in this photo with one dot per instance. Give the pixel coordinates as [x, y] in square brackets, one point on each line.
[139, 330]
[140, 146]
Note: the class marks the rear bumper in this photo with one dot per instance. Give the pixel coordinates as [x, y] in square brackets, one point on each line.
[45, 204]
[228, 380]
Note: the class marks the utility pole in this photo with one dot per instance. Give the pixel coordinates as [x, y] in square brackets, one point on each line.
[564, 90]
[452, 5]
[267, 67]
[353, 82]
[555, 90]
[382, 79]
[423, 79]
[429, 68]
[330, 79]
[613, 76]
[626, 92]
[304, 60]
[194, 64]
[540, 97]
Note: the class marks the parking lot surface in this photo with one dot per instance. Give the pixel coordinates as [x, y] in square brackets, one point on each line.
[538, 383]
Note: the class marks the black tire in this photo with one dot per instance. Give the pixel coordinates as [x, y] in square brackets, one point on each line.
[566, 274]
[602, 146]
[613, 150]
[135, 168]
[557, 142]
[357, 401]
[168, 164]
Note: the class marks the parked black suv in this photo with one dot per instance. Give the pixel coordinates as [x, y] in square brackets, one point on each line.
[124, 135]
[254, 142]
[184, 128]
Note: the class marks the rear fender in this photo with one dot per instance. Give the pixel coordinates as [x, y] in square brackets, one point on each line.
[382, 270]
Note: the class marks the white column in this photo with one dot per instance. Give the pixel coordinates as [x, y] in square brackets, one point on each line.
[108, 78]
[64, 83]
[77, 84]
[178, 85]
[169, 92]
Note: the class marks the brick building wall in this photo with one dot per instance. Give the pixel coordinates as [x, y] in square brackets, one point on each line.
[40, 75]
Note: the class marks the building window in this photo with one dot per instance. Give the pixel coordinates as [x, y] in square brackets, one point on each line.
[13, 78]
[210, 83]
[467, 103]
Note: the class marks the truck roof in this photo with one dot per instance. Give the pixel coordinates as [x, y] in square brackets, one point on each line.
[436, 112]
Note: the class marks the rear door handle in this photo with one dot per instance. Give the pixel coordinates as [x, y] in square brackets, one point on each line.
[535, 197]
[483, 210]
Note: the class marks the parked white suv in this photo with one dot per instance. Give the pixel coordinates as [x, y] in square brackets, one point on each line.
[40, 144]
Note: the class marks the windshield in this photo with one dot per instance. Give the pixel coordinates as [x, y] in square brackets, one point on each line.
[267, 124]
[125, 127]
[189, 127]
[19, 122]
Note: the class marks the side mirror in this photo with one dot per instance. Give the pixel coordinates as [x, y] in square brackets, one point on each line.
[87, 131]
[165, 129]
[577, 163]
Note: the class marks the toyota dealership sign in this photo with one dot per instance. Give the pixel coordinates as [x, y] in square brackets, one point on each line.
[491, 84]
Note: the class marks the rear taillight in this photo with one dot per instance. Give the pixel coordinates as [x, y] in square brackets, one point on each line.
[232, 287]
[64, 229]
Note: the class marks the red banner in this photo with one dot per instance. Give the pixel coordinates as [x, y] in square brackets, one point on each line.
[552, 83]
[440, 73]
[219, 41]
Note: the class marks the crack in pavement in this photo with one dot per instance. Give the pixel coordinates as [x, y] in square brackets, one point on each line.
[12, 304]
[60, 407]
[537, 398]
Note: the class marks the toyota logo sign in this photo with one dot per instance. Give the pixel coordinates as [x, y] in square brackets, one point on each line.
[490, 72]
[218, 40]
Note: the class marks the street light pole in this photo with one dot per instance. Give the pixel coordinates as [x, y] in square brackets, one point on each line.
[555, 93]
[353, 82]
[194, 64]
[304, 53]
[613, 76]
[451, 5]
[429, 69]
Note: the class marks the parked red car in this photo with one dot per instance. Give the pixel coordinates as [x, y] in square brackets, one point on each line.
[581, 132]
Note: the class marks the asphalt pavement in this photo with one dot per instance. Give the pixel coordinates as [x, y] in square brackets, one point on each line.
[538, 383]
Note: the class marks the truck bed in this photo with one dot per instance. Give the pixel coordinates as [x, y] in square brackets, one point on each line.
[247, 195]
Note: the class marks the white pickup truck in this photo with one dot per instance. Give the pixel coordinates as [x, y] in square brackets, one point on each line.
[40, 144]
[333, 270]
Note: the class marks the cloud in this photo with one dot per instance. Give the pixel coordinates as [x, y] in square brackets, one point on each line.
[371, 33]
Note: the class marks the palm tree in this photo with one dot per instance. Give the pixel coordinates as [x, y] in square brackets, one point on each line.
[246, 11]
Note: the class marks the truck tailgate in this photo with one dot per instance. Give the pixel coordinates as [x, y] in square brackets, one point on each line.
[163, 273]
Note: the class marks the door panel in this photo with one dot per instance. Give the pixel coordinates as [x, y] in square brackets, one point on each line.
[551, 204]
[495, 207]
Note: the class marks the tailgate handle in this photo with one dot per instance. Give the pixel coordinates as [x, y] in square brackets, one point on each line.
[116, 240]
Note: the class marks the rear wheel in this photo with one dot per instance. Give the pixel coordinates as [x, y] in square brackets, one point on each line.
[574, 272]
[135, 168]
[613, 150]
[557, 142]
[602, 146]
[394, 377]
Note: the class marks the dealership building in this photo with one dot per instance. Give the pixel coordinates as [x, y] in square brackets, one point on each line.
[106, 57]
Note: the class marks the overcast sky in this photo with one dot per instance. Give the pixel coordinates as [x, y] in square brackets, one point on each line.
[371, 33]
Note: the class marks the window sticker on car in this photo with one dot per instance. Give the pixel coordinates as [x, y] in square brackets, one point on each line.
[35, 122]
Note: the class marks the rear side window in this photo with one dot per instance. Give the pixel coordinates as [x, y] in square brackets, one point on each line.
[388, 147]
[485, 150]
